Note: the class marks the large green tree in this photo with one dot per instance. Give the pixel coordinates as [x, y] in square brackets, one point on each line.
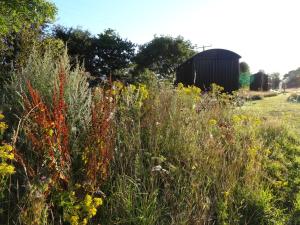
[21, 25]
[17, 15]
[21, 21]
[164, 54]
[79, 43]
[292, 78]
[244, 67]
[102, 55]
[112, 53]
[275, 78]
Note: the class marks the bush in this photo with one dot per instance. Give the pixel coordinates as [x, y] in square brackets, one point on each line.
[256, 97]
[294, 98]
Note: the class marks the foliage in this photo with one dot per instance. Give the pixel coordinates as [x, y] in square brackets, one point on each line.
[294, 98]
[292, 78]
[164, 54]
[111, 53]
[244, 80]
[16, 14]
[143, 154]
[6, 155]
[275, 79]
[101, 55]
[49, 125]
[22, 16]
[79, 44]
[22, 26]
[78, 211]
[244, 67]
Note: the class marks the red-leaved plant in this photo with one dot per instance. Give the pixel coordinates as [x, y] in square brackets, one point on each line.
[48, 132]
[98, 152]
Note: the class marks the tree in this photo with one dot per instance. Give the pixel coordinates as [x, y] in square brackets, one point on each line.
[79, 43]
[244, 67]
[102, 55]
[164, 54]
[21, 25]
[244, 79]
[292, 78]
[17, 15]
[111, 53]
[275, 78]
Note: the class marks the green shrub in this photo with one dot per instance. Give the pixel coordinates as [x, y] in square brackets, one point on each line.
[294, 98]
[256, 97]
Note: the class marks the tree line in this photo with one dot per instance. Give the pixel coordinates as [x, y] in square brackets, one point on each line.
[29, 24]
[26, 25]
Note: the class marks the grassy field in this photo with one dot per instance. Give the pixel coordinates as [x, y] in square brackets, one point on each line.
[277, 107]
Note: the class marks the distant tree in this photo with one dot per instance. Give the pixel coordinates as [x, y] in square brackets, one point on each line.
[164, 54]
[79, 44]
[275, 78]
[244, 79]
[111, 53]
[102, 55]
[292, 78]
[244, 67]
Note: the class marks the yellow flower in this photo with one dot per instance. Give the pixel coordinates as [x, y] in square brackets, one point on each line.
[85, 221]
[180, 86]
[74, 220]
[98, 201]
[92, 212]
[6, 169]
[8, 147]
[212, 122]
[226, 194]
[132, 87]
[236, 119]
[50, 132]
[5, 154]
[143, 91]
[1, 116]
[3, 126]
[88, 200]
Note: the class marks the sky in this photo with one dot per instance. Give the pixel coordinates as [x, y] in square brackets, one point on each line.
[266, 33]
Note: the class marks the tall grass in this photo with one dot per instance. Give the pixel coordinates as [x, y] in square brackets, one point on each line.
[154, 154]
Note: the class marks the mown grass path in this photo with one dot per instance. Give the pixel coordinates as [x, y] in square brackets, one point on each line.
[277, 107]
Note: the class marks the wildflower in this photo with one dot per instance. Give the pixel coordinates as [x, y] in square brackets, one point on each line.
[226, 194]
[236, 119]
[74, 220]
[98, 201]
[92, 211]
[50, 132]
[180, 86]
[88, 200]
[132, 87]
[143, 92]
[5, 154]
[212, 122]
[3, 126]
[1, 116]
[6, 169]
[85, 221]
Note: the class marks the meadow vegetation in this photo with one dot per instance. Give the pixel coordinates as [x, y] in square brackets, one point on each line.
[140, 154]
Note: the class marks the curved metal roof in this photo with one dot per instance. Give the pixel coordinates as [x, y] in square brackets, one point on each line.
[217, 54]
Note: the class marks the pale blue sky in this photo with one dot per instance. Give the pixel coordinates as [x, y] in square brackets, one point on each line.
[264, 32]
